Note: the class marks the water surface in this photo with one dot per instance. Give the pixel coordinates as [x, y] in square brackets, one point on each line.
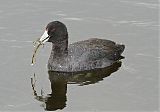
[134, 23]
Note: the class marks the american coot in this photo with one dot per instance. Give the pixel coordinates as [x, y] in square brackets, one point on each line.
[79, 56]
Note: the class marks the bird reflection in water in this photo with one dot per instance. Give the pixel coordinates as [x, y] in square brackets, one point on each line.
[59, 80]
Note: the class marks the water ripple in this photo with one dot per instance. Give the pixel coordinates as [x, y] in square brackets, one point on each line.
[129, 69]
[2, 28]
[6, 40]
[147, 55]
[74, 19]
[61, 14]
[142, 4]
[137, 23]
[16, 46]
[119, 22]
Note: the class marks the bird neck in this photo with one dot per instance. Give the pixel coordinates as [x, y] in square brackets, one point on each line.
[60, 49]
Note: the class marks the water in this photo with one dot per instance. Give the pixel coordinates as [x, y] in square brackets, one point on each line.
[133, 87]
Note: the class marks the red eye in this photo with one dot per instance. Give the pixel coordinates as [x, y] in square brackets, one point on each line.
[53, 30]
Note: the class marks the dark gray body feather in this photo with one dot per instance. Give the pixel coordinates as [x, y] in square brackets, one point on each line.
[87, 55]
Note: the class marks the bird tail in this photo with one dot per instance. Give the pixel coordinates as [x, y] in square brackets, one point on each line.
[119, 51]
[120, 48]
